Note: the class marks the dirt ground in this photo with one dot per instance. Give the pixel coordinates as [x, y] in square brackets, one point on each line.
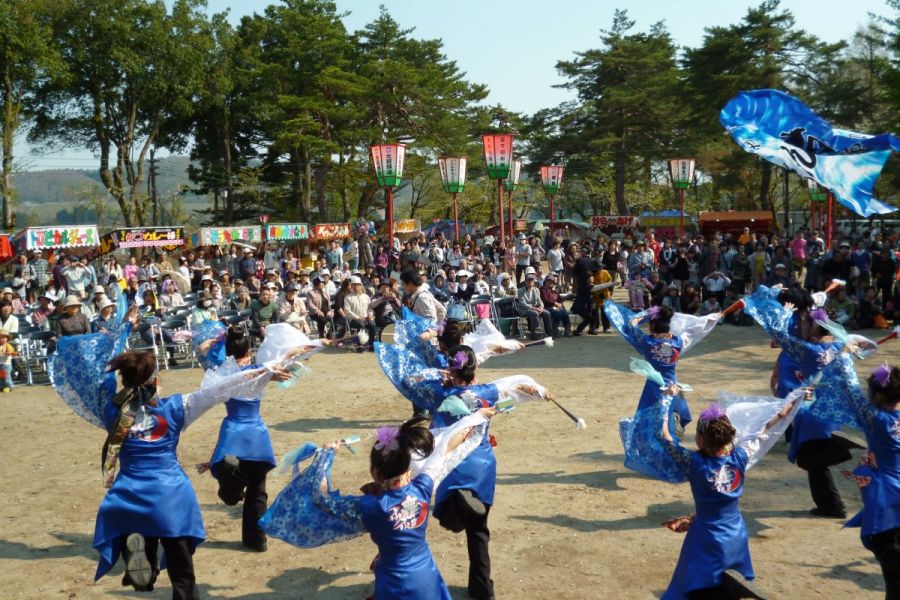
[569, 520]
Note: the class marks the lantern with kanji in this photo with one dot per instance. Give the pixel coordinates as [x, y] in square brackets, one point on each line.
[453, 179]
[388, 160]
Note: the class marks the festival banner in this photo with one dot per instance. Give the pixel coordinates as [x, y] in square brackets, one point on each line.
[287, 231]
[784, 131]
[615, 221]
[406, 226]
[330, 231]
[222, 236]
[74, 236]
[166, 238]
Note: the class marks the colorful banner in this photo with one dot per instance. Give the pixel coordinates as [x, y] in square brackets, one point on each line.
[222, 236]
[615, 221]
[407, 226]
[784, 131]
[330, 231]
[167, 238]
[74, 236]
[287, 231]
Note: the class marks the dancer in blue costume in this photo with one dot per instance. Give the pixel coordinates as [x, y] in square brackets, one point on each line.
[150, 500]
[806, 348]
[406, 463]
[715, 557]
[243, 455]
[671, 334]
[879, 475]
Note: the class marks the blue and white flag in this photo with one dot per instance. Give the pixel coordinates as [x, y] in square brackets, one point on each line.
[783, 130]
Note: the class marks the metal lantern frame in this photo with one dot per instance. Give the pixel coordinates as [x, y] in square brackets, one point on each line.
[498, 159]
[819, 194]
[453, 180]
[510, 184]
[389, 160]
[681, 172]
[551, 179]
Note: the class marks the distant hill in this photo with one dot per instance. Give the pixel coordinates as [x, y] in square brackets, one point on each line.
[60, 185]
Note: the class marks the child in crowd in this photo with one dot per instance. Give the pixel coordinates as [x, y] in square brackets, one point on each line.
[7, 351]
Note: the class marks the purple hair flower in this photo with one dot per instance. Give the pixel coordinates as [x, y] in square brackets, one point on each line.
[387, 439]
[882, 375]
[653, 312]
[458, 361]
[712, 412]
[818, 314]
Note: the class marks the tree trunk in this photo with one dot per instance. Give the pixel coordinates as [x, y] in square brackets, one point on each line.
[619, 175]
[226, 159]
[297, 185]
[321, 197]
[307, 182]
[765, 202]
[365, 199]
[10, 123]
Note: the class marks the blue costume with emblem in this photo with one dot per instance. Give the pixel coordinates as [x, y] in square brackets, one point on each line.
[717, 538]
[151, 494]
[396, 519]
[662, 353]
[243, 432]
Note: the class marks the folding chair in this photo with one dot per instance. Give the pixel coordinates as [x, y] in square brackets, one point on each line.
[177, 349]
[34, 352]
[137, 342]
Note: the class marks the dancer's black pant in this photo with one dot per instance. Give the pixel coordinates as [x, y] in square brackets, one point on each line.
[179, 561]
[249, 482]
[711, 593]
[886, 546]
[814, 457]
[455, 517]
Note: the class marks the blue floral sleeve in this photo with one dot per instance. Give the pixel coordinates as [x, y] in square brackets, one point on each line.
[78, 371]
[304, 515]
[839, 398]
[621, 318]
[647, 451]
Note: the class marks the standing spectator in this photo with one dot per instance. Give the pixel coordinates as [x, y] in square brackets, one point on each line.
[57, 273]
[798, 252]
[553, 303]
[861, 259]
[883, 270]
[716, 283]
[812, 279]
[247, 265]
[759, 265]
[781, 275]
[18, 307]
[740, 270]
[531, 307]
[77, 278]
[41, 270]
[569, 259]
[524, 252]
[555, 258]
[421, 300]
[838, 267]
[334, 255]
[667, 259]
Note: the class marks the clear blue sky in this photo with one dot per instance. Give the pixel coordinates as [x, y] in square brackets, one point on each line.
[512, 47]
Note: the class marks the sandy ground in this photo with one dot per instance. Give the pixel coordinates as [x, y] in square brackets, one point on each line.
[569, 520]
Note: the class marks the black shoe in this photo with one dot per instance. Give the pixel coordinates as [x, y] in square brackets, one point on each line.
[593, 332]
[738, 587]
[138, 570]
[845, 441]
[829, 514]
[257, 546]
[231, 483]
[467, 501]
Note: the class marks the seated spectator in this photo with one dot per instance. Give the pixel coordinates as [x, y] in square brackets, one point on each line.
[842, 309]
[672, 299]
[550, 296]
[292, 309]
[18, 307]
[658, 289]
[319, 305]
[781, 275]
[871, 313]
[71, 322]
[357, 309]
[170, 297]
[265, 312]
[738, 317]
[638, 292]
[204, 311]
[464, 289]
[105, 321]
[531, 308]
[385, 305]
[40, 317]
[690, 299]
[710, 306]
[241, 300]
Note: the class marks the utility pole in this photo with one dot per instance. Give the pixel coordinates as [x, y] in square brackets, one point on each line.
[151, 185]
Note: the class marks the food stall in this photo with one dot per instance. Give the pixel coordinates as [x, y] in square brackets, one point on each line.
[734, 221]
[161, 238]
[225, 236]
[51, 238]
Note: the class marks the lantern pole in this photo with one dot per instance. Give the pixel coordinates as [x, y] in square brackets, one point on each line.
[456, 216]
[390, 217]
[552, 198]
[509, 202]
[500, 213]
[681, 200]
